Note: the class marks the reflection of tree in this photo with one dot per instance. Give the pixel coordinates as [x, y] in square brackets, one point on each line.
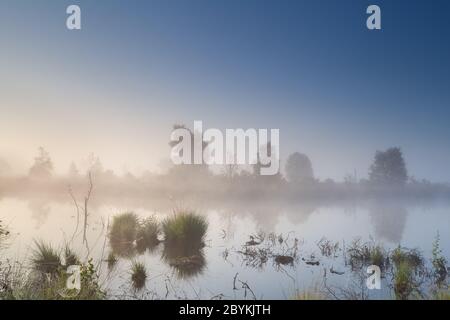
[187, 259]
[122, 248]
[299, 214]
[389, 221]
[266, 217]
[40, 211]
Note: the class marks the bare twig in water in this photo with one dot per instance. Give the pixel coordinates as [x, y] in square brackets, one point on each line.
[234, 281]
[86, 201]
[78, 213]
[85, 212]
[246, 287]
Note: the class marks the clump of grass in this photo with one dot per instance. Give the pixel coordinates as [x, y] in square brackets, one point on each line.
[439, 263]
[408, 265]
[147, 233]
[138, 275]
[32, 286]
[403, 281]
[71, 257]
[185, 227]
[410, 256]
[124, 227]
[45, 258]
[123, 233]
[364, 254]
[377, 256]
[112, 260]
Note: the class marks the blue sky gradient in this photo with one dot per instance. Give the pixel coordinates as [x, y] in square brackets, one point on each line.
[336, 90]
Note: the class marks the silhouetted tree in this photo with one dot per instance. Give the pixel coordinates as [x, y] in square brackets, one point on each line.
[299, 168]
[389, 168]
[43, 165]
[94, 165]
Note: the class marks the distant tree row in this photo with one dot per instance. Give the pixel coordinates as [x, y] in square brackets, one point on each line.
[388, 168]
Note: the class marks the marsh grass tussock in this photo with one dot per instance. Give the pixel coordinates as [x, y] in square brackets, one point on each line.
[70, 257]
[147, 233]
[47, 279]
[403, 281]
[124, 228]
[45, 258]
[138, 275]
[361, 254]
[111, 260]
[185, 227]
[123, 232]
[412, 257]
[409, 272]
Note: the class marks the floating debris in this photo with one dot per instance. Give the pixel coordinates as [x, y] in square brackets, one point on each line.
[284, 260]
[340, 273]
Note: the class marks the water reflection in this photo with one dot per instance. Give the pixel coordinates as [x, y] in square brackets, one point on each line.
[389, 221]
[186, 259]
[40, 211]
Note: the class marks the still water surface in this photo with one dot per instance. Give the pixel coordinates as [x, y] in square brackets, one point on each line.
[225, 269]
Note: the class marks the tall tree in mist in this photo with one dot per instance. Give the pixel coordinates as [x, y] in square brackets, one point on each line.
[94, 166]
[299, 168]
[43, 165]
[389, 168]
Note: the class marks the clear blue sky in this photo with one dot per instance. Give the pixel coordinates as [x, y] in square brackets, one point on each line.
[336, 90]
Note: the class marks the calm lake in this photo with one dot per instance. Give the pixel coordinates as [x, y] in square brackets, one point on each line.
[227, 268]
